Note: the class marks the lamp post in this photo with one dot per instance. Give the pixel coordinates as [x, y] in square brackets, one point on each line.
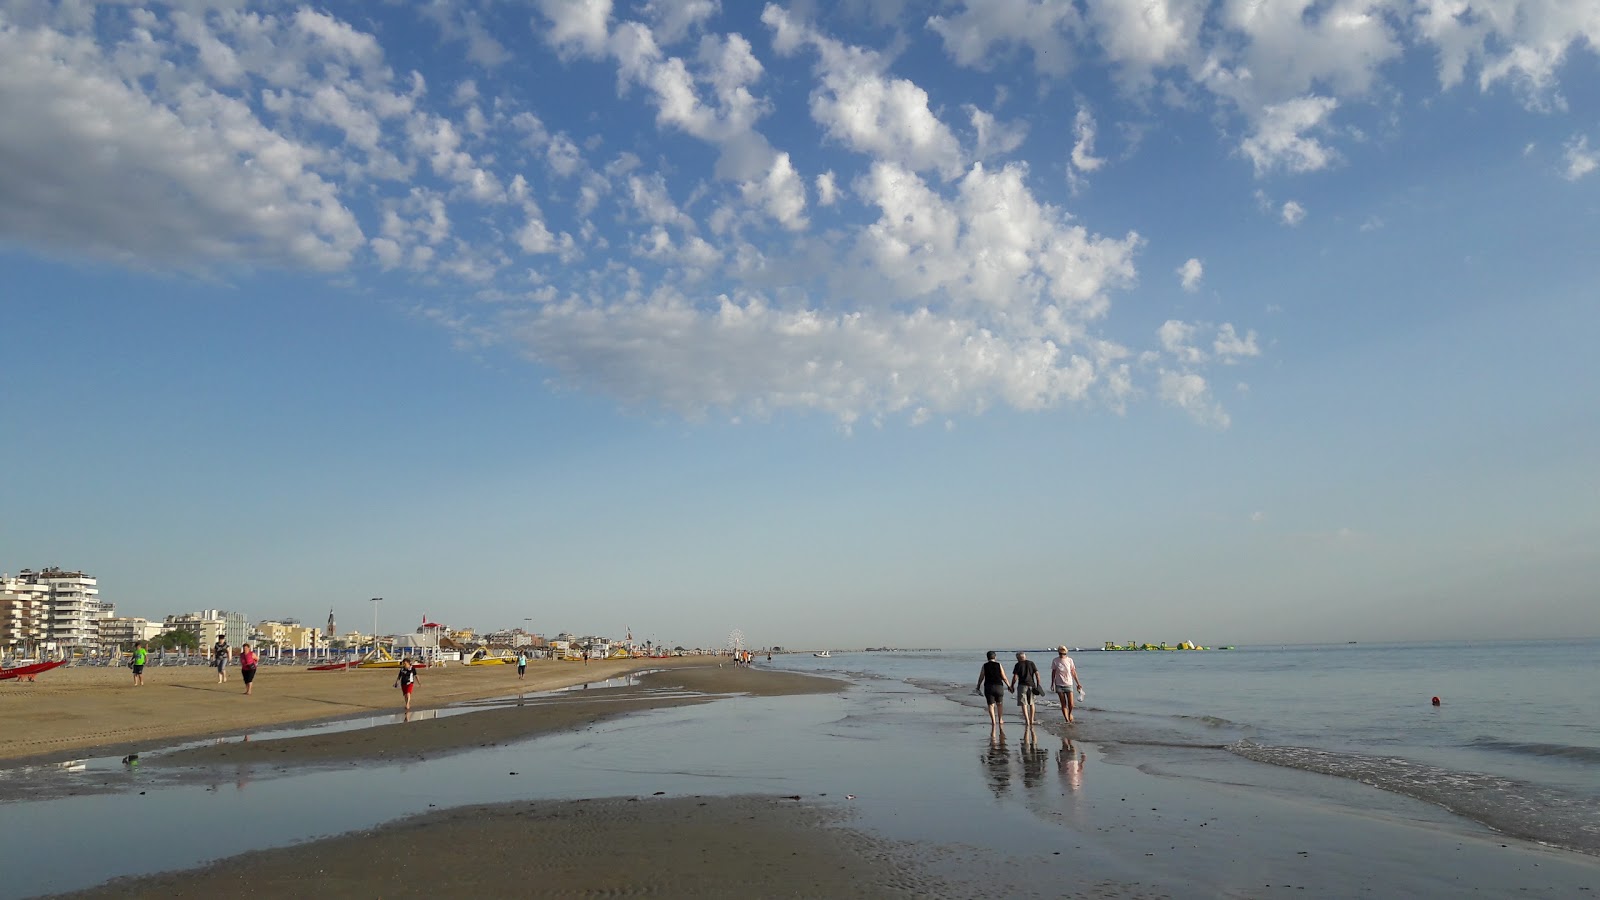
[375, 602]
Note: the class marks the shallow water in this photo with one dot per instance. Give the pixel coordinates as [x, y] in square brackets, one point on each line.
[1514, 743]
[911, 765]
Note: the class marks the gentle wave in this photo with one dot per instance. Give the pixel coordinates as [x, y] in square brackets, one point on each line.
[1506, 805]
[1546, 751]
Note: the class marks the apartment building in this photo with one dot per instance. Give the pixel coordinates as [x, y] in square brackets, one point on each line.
[72, 606]
[208, 623]
[24, 615]
[290, 635]
[122, 632]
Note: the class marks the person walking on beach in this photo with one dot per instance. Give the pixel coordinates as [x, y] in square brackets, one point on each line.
[140, 657]
[406, 681]
[247, 667]
[1025, 682]
[219, 658]
[522, 664]
[1064, 681]
[992, 685]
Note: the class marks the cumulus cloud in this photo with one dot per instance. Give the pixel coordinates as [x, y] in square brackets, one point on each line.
[1190, 273]
[1189, 392]
[1280, 140]
[1292, 213]
[863, 108]
[1579, 159]
[670, 261]
[96, 164]
[982, 26]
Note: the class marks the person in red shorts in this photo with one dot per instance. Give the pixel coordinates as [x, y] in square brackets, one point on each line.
[406, 681]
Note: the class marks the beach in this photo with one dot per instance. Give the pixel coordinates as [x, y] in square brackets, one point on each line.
[699, 780]
[72, 712]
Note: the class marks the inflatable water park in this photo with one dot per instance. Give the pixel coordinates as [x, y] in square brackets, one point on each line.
[1181, 645]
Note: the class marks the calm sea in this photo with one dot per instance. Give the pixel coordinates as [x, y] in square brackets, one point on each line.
[1514, 743]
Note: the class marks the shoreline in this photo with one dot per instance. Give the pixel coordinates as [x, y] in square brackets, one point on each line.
[901, 782]
[73, 714]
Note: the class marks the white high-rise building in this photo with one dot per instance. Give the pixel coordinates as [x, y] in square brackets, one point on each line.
[73, 607]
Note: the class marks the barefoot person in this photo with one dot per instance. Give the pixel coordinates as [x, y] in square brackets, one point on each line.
[522, 664]
[140, 657]
[406, 681]
[992, 685]
[219, 658]
[1025, 682]
[1064, 680]
[247, 667]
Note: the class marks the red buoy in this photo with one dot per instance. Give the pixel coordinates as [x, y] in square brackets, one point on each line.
[1436, 701]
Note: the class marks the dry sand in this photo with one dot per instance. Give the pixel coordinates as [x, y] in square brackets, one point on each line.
[95, 711]
[664, 847]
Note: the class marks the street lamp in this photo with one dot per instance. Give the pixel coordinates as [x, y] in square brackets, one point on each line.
[375, 602]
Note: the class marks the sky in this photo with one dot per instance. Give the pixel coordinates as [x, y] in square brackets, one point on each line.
[891, 323]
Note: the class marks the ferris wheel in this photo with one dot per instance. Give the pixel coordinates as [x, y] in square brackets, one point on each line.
[736, 640]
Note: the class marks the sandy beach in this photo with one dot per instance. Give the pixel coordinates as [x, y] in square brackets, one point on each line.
[97, 711]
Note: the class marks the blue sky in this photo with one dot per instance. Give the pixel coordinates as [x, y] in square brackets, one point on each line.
[921, 324]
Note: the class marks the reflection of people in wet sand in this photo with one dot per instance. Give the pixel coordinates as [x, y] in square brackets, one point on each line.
[993, 686]
[1025, 682]
[406, 681]
[1034, 758]
[997, 764]
[1070, 761]
[1064, 680]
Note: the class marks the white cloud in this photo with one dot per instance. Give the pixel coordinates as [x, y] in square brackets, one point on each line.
[1229, 347]
[1142, 35]
[827, 189]
[1292, 213]
[1190, 273]
[867, 111]
[1189, 392]
[1083, 158]
[97, 165]
[1177, 339]
[995, 138]
[577, 26]
[1580, 160]
[1279, 140]
[1042, 26]
[675, 19]
[780, 194]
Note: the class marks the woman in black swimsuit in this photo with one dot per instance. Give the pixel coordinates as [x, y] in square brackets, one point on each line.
[992, 684]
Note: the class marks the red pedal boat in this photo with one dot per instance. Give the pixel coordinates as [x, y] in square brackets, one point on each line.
[30, 671]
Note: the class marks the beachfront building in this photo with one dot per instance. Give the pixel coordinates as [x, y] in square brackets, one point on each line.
[290, 635]
[24, 615]
[119, 633]
[515, 638]
[72, 607]
[206, 624]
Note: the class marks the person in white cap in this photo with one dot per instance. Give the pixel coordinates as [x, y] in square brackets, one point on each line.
[1064, 681]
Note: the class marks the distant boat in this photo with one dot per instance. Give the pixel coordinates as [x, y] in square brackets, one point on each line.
[824, 654]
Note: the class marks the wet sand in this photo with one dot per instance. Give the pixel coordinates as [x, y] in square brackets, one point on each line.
[98, 712]
[667, 847]
[572, 710]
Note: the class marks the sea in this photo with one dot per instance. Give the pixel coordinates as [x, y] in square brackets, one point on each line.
[1514, 742]
[1325, 771]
